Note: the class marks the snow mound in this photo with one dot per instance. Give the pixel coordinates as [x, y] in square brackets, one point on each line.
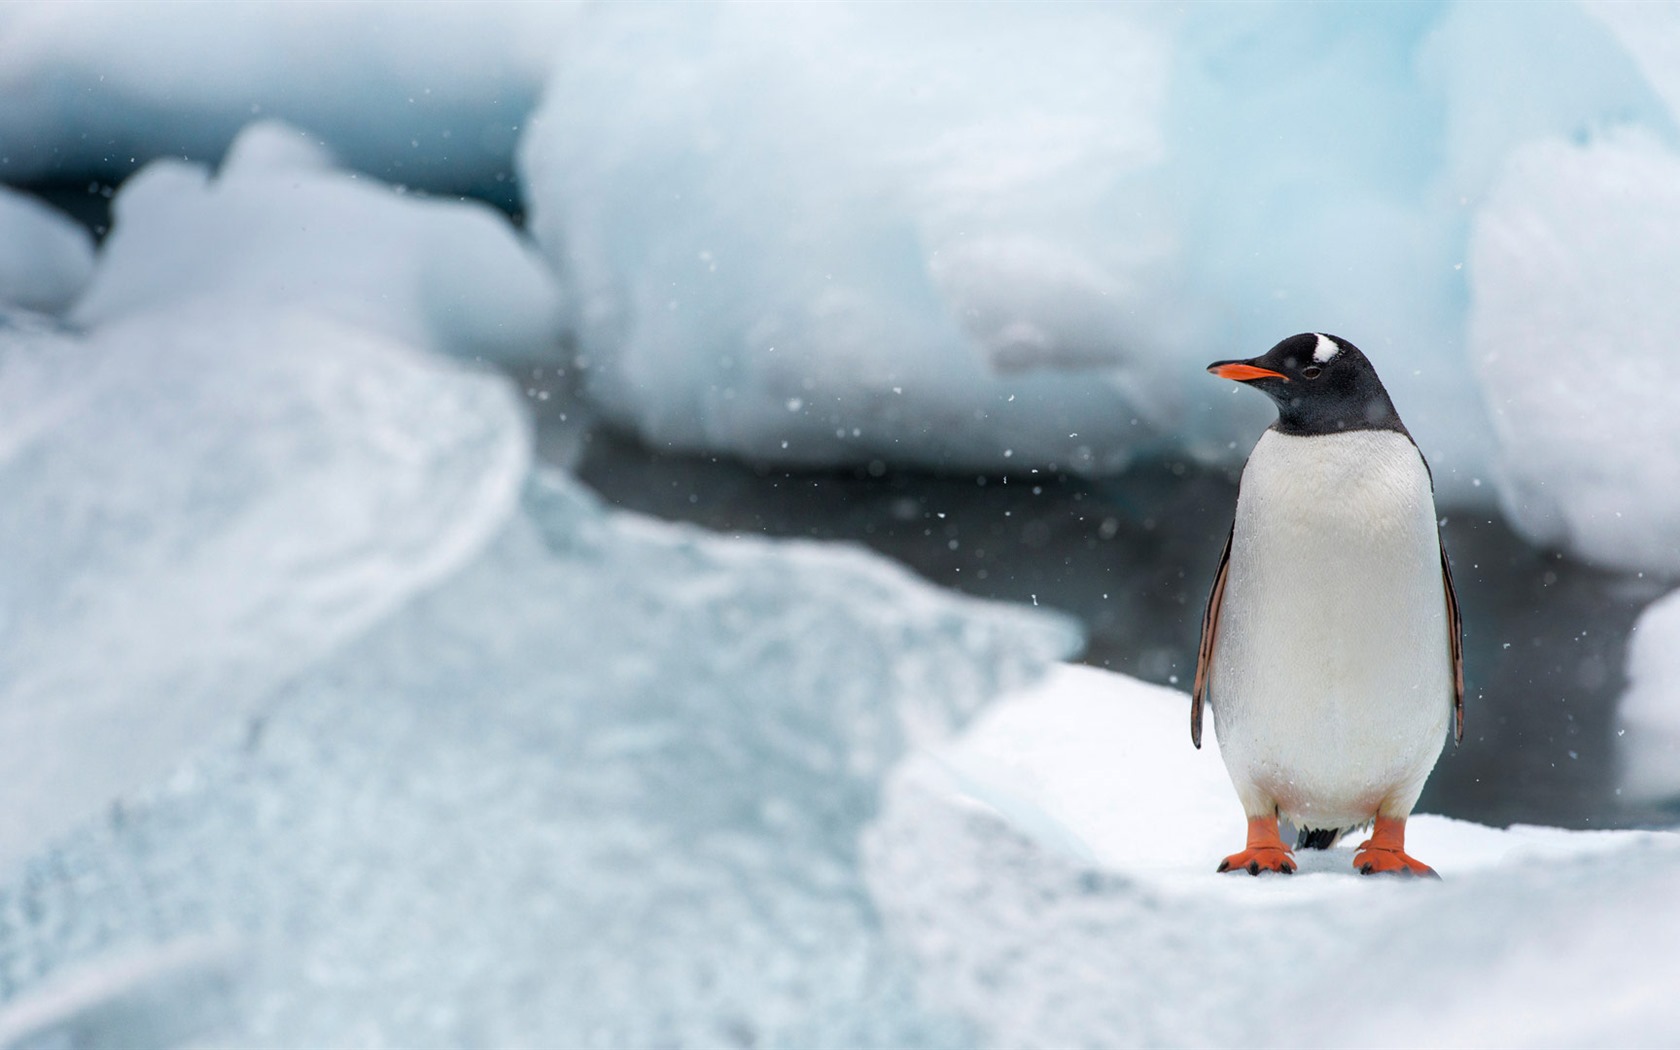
[1649, 715]
[45, 258]
[279, 227]
[430, 95]
[1052, 872]
[1574, 325]
[603, 787]
[994, 240]
[196, 506]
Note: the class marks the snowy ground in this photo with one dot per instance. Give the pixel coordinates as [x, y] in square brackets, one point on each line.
[1053, 873]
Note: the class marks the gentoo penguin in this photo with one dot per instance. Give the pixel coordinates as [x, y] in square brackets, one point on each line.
[1331, 644]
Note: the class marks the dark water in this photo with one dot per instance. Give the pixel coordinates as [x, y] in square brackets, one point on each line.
[1132, 557]
[88, 199]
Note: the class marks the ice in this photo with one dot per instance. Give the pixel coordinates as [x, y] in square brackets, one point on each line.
[1651, 34]
[429, 95]
[821, 234]
[1556, 70]
[996, 240]
[798, 242]
[1053, 874]
[242, 459]
[197, 505]
[281, 227]
[1648, 720]
[45, 258]
[1574, 323]
[602, 787]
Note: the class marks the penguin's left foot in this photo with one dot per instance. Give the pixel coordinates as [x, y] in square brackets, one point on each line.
[1384, 853]
[1265, 852]
[1391, 862]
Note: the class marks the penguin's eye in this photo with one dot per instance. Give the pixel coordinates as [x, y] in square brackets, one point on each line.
[1312, 371]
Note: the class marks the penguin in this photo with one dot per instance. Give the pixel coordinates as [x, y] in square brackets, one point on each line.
[1331, 647]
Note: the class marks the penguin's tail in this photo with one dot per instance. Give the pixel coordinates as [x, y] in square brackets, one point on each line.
[1319, 838]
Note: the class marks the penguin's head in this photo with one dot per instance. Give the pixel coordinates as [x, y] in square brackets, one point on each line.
[1322, 384]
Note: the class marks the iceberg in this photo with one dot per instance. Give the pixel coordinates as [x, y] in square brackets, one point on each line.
[196, 506]
[1009, 239]
[603, 786]
[1650, 33]
[432, 96]
[280, 226]
[1052, 874]
[45, 258]
[1574, 324]
[794, 244]
[241, 458]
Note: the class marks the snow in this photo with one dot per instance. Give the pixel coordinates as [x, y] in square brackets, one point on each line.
[279, 226]
[601, 787]
[1574, 323]
[45, 258]
[822, 234]
[1053, 873]
[1648, 718]
[430, 95]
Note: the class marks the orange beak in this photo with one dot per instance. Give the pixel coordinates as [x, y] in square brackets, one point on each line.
[1243, 373]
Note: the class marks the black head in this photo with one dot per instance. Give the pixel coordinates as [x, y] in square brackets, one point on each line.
[1322, 384]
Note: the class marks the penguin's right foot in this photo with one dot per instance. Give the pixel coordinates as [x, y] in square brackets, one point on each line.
[1254, 861]
[1265, 852]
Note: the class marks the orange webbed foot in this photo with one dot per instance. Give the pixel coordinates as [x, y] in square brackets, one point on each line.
[1384, 853]
[1264, 858]
[1265, 852]
[1377, 861]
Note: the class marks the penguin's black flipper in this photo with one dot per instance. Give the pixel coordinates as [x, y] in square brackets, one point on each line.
[1455, 642]
[1210, 630]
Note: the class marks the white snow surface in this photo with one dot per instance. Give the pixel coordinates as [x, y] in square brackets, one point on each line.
[45, 257]
[1053, 874]
[280, 226]
[1648, 719]
[1574, 324]
[602, 787]
[987, 240]
[430, 95]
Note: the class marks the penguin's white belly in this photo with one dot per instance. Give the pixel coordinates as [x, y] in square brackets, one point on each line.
[1332, 678]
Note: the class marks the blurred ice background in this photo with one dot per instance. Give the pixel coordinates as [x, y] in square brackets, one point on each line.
[352, 694]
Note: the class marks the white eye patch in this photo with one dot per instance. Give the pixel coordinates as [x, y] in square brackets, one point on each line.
[1326, 348]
